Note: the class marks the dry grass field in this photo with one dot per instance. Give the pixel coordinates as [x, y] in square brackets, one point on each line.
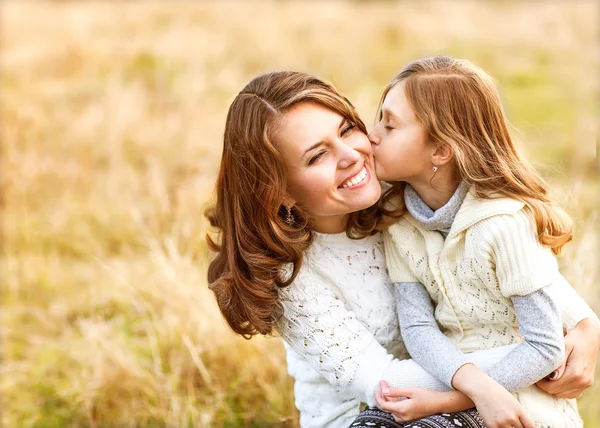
[111, 118]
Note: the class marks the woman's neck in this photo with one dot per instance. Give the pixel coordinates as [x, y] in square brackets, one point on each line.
[437, 192]
[330, 224]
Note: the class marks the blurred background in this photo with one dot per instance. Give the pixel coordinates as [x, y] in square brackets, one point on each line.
[112, 117]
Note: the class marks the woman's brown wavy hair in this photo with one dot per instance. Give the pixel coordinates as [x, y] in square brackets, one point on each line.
[459, 105]
[255, 243]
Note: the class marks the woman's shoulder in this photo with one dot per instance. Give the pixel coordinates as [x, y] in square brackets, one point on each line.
[335, 248]
[334, 259]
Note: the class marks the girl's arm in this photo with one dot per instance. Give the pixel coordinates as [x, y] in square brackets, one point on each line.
[527, 273]
[542, 350]
[428, 346]
[539, 324]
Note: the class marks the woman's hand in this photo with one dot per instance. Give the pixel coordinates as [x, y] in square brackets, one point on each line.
[498, 407]
[577, 372]
[410, 404]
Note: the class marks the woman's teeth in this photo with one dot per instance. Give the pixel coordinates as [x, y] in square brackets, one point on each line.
[358, 178]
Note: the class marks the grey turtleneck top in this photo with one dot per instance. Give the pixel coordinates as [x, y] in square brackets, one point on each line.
[538, 316]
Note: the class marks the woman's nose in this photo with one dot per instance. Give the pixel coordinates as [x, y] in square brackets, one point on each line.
[349, 156]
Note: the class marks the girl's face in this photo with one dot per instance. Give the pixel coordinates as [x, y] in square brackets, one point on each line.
[400, 146]
[329, 163]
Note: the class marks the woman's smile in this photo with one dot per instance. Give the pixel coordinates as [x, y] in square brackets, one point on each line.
[358, 179]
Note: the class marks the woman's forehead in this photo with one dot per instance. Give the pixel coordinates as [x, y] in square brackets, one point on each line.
[306, 124]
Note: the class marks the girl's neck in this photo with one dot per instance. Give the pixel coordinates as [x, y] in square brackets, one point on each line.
[437, 192]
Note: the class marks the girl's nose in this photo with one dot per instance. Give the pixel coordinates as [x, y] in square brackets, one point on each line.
[373, 137]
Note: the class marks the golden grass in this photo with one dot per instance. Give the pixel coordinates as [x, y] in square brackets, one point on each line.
[111, 122]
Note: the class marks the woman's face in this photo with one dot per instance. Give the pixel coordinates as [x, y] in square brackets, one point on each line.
[400, 145]
[329, 163]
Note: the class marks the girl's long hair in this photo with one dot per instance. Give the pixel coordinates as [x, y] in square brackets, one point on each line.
[255, 244]
[459, 106]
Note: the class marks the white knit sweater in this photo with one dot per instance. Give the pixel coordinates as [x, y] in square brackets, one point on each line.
[490, 255]
[341, 332]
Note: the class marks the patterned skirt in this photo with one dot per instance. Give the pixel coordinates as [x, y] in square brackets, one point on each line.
[376, 418]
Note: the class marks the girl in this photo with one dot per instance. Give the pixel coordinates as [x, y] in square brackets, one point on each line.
[479, 239]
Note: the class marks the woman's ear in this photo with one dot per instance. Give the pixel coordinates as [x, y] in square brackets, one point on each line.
[288, 201]
[442, 155]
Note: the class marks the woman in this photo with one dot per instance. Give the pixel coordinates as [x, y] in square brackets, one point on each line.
[296, 180]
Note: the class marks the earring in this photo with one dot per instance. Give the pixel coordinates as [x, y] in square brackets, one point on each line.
[435, 169]
[289, 218]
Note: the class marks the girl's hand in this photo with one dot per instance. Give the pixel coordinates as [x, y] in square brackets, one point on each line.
[498, 407]
[577, 373]
[409, 404]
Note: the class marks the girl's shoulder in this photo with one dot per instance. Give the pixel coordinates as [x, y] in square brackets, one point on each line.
[491, 213]
[507, 231]
[406, 221]
[402, 229]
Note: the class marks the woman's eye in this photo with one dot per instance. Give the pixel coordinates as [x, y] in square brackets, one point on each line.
[316, 157]
[348, 128]
[388, 128]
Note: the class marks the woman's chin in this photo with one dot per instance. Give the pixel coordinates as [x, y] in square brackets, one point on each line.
[371, 198]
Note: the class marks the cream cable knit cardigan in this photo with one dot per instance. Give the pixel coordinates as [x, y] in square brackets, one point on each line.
[490, 254]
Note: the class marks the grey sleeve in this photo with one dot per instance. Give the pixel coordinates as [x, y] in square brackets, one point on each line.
[536, 357]
[542, 350]
[426, 344]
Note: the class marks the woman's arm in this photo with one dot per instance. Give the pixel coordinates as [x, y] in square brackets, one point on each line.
[415, 403]
[319, 403]
[321, 330]
[582, 344]
[573, 309]
[410, 404]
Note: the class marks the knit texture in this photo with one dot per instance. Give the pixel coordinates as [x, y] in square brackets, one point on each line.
[538, 316]
[441, 219]
[341, 332]
[573, 308]
[339, 322]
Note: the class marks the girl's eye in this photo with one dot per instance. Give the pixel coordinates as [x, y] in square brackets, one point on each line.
[388, 128]
[347, 129]
[316, 157]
